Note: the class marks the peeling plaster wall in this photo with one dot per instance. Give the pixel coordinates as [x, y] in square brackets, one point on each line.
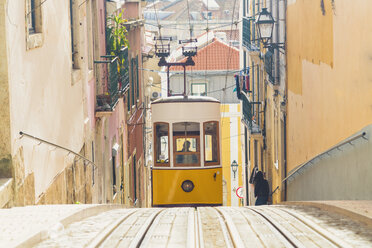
[44, 99]
[329, 74]
[5, 143]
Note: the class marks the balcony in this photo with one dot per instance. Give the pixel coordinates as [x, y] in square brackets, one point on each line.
[114, 80]
[251, 116]
[249, 36]
[250, 42]
[269, 68]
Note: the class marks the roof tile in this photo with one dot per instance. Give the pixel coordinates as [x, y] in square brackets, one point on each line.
[214, 57]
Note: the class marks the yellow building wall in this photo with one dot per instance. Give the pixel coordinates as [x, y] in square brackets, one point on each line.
[231, 149]
[274, 145]
[329, 74]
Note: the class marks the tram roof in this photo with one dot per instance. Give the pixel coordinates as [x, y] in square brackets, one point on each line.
[173, 99]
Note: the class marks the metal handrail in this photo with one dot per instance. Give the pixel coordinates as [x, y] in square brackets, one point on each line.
[361, 135]
[57, 146]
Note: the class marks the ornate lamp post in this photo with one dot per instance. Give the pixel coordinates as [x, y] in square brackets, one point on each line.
[234, 167]
[265, 25]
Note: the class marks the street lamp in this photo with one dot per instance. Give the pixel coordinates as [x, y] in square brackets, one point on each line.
[265, 24]
[234, 167]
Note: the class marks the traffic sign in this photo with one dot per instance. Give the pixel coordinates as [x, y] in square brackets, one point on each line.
[239, 192]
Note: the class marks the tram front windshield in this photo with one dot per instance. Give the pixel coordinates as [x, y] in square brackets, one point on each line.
[186, 137]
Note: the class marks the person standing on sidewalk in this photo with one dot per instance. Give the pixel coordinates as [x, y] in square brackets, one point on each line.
[261, 189]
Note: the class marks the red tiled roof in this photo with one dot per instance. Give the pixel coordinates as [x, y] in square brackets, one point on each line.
[214, 57]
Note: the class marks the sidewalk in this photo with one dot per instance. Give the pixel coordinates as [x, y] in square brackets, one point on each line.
[360, 211]
[25, 226]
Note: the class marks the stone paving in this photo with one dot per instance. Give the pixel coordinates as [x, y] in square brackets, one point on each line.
[80, 233]
[353, 232]
[31, 223]
[360, 211]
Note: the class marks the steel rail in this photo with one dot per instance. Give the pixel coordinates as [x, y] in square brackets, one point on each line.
[192, 230]
[318, 229]
[136, 241]
[102, 236]
[150, 230]
[301, 228]
[284, 232]
[347, 141]
[233, 231]
[199, 229]
[57, 146]
[225, 230]
[285, 241]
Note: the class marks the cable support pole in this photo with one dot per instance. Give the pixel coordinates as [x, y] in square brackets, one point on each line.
[184, 80]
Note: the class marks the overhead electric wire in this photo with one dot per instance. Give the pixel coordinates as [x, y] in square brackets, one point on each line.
[206, 46]
[188, 14]
[229, 56]
[208, 92]
[176, 26]
[157, 19]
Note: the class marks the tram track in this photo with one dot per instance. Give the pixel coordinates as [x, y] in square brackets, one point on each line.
[277, 228]
[268, 226]
[298, 230]
[321, 231]
[126, 232]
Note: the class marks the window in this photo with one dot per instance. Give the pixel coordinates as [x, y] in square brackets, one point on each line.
[161, 144]
[74, 22]
[31, 17]
[89, 34]
[34, 24]
[199, 89]
[186, 136]
[113, 175]
[134, 70]
[211, 143]
[137, 78]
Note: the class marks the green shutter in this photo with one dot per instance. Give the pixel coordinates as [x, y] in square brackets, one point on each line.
[247, 32]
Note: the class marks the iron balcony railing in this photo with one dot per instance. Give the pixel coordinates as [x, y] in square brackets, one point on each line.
[117, 78]
[269, 64]
[250, 114]
[249, 36]
[300, 169]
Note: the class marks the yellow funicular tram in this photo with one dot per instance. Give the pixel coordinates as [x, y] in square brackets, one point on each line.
[187, 169]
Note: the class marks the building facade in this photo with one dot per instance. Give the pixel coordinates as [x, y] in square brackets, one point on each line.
[263, 95]
[44, 79]
[80, 118]
[329, 100]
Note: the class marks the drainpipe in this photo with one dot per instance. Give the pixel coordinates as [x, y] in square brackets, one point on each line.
[286, 94]
[277, 40]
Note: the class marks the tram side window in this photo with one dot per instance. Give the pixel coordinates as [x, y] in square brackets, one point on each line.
[186, 136]
[211, 143]
[162, 144]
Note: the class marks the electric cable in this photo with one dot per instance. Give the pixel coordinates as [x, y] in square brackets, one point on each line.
[228, 61]
[176, 26]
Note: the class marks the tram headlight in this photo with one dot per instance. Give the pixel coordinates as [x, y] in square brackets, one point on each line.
[187, 186]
